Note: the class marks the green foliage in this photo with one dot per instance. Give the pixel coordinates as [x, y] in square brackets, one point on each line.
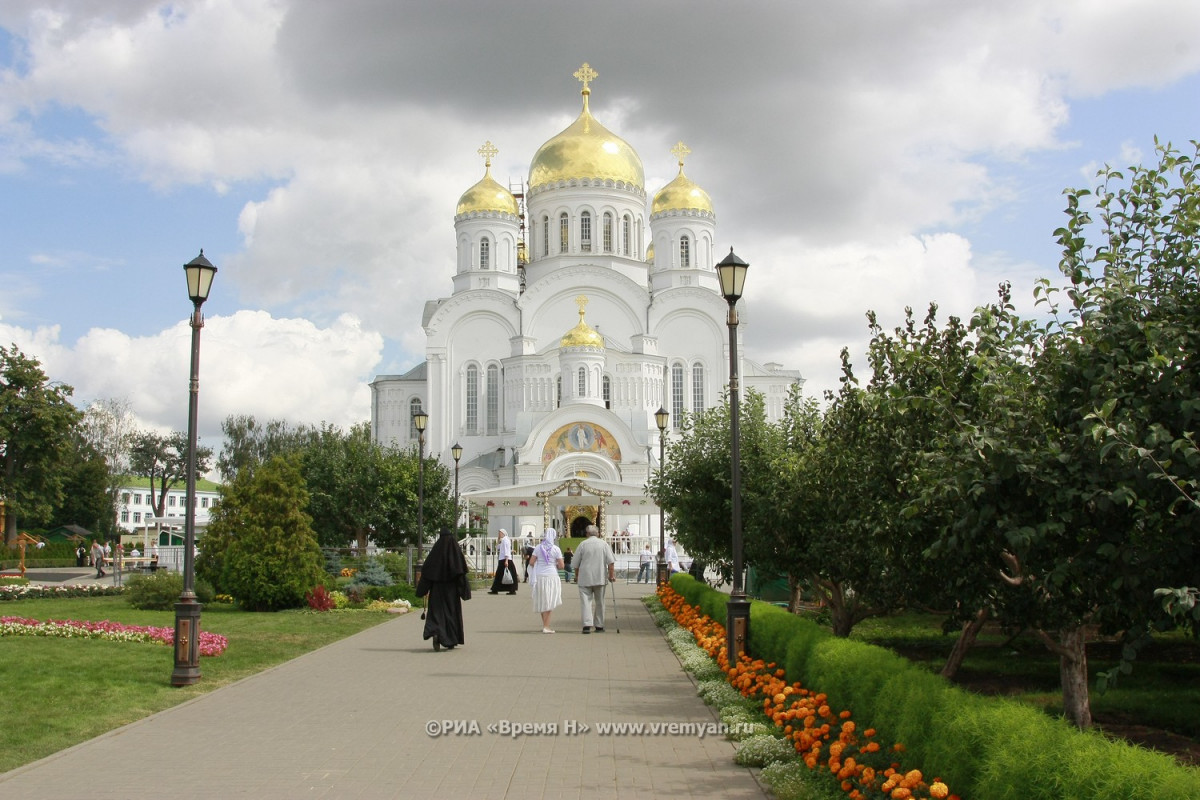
[333, 561]
[36, 423]
[396, 565]
[160, 590]
[163, 460]
[260, 541]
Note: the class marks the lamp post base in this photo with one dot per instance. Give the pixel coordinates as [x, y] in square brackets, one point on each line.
[737, 627]
[187, 642]
[664, 575]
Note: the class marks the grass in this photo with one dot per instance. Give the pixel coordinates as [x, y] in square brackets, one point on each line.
[64, 691]
[1163, 692]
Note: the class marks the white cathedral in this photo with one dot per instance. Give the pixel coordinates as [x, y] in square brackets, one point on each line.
[577, 311]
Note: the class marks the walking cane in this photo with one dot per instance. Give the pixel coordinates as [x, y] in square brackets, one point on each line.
[616, 616]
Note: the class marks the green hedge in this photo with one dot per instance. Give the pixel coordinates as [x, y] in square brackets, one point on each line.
[984, 748]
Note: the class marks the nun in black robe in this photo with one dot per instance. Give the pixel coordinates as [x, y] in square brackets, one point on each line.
[444, 583]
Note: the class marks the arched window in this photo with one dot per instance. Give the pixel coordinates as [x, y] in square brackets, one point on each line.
[545, 236]
[493, 400]
[626, 233]
[564, 232]
[485, 253]
[472, 399]
[585, 231]
[697, 388]
[607, 384]
[677, 399]
[685, 252]
[608, 231]
[414, 406]
[582, 388]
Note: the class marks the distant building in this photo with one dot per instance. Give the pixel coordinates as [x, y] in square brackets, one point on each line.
[135, 513]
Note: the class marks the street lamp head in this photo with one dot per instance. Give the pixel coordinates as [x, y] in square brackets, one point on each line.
[661, 417]
[420, 420]
[456, 451]
[199, 272]
[732, 272]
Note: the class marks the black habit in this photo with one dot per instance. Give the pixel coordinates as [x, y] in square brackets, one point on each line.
[444, 583]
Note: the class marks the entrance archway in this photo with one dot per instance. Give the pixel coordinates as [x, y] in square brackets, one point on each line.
[577, 526]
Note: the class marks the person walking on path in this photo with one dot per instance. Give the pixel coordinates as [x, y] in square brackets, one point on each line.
[672, 557]
[593, 559]
[504, 564]
[98, 559]
[444, 580]
[546, 587]
[647, 560]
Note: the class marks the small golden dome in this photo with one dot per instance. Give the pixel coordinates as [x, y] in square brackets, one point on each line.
[487, 195]
[582, 335]
[586, 149]
[681, 194]
[650, 254]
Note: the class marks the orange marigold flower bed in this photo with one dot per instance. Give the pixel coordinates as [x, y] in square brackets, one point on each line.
[821, 736]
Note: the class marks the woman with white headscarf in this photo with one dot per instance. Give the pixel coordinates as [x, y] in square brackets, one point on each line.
[544, 583]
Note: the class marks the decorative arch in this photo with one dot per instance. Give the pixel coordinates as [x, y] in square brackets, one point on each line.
[581, 437]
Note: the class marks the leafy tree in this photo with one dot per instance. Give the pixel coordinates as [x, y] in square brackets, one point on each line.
[107, 429]
[163, 460]
[249, 443]
[85, 498]
[36, 420]
[260, 545]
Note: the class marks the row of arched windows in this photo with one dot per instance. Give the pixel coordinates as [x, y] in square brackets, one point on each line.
[610, 242]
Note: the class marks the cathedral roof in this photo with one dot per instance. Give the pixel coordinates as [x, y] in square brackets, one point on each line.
[487, 195]
[681, 194]
[586, 150]
[582, 335]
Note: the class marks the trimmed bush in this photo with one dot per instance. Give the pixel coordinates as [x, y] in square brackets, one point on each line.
[159, 591]
[984, 748]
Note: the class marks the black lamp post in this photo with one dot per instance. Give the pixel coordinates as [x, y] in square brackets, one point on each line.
[199, 272]
[732, 272]
[456, 451]
[420, 420]
[661, 417]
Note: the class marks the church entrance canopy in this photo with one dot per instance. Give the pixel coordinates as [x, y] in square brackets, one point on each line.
[547, 499]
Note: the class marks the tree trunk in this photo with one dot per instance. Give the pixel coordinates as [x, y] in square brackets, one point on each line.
[1073, 672]
[841, 617]
[794, 590]
[966, 639]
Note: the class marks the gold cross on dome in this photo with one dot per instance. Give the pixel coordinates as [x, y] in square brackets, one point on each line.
[586, 75]
[681, 151]
[582, 302]
[488, 151]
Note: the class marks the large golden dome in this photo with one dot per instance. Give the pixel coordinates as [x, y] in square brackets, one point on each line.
[582, 335]
[487, 195]
[681, 194]
[586, 149]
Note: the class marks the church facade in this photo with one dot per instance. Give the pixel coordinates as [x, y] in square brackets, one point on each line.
[579, 306]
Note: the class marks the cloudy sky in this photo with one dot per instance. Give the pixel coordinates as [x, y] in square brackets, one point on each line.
[865, 155]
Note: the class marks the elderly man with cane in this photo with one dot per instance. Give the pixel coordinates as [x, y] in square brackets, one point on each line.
[594, 561]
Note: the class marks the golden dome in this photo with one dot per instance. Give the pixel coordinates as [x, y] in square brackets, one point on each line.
[487, 195]
[586, 149]
[681, 194]
[582, 335]
[650, 254]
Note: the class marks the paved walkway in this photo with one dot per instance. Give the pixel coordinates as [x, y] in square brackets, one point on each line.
[351, 721]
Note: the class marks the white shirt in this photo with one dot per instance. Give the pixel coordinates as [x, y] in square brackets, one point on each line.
[505, 549]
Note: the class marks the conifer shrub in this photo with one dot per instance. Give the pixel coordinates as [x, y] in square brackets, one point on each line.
[270, 557]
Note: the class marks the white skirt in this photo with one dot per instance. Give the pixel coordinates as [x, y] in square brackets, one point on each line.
[547, 592]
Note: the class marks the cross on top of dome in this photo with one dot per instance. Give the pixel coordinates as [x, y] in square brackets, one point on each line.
[586, 75]
[488, 151]
[681, 151]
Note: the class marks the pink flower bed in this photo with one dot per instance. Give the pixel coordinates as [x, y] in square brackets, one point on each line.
[211, 644]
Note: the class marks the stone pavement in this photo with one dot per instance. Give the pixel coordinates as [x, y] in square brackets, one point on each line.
[352, 720]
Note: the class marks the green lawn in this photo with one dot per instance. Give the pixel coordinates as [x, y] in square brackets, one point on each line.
[60, 692]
